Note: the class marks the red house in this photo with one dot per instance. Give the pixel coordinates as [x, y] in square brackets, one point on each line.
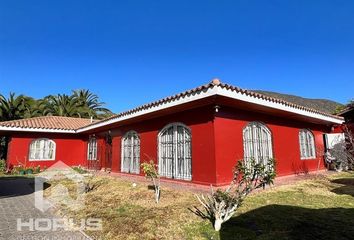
[195, 136]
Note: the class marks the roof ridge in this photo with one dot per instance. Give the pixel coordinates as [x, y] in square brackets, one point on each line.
[215, 82]
[266, 97]
[48, 122]
[168, 98]
[46, 117]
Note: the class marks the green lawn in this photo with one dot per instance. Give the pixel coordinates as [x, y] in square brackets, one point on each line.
[321, 208]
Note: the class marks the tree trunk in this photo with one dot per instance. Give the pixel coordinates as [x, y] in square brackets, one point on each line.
[157, 194]
[217, 224]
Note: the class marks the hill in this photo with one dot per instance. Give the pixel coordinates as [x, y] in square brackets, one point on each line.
[324, 105]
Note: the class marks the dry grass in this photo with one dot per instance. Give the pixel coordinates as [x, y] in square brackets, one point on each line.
[131, 213]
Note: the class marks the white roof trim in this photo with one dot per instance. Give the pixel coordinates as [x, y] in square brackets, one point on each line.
[19, 129]
[185, 99]
[217, 90]
[246, 98]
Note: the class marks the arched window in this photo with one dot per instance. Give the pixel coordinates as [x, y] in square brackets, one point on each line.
[130, 153]
[92, 149]
[42, 149]
[257, 143]
[175, 158]
[307, 144]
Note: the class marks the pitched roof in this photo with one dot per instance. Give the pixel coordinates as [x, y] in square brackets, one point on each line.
[47, 123]
[345, 111]
[214, 88]
[224, 90]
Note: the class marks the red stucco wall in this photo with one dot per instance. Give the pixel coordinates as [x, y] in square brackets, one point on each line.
[69, 149]
[229, 124]
[216, 143]
[201, 125]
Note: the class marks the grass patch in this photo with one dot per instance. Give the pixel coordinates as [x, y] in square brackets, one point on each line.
[320, 208]
[15, 176]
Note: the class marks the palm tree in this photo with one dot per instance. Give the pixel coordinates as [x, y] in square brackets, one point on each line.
[34, 108]
[14, 107]
[82, 103]
[90, 102]
[61, 105]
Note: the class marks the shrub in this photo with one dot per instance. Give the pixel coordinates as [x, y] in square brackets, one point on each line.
[37, 169]
[79, 169]
[91, 182]
[150, 170]
[18, 169]
[342, 153]
[222, 204]
[29, 170]
[2, 166]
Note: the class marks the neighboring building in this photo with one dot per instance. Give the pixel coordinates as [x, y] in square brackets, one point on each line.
[196, 136]
[348, 114]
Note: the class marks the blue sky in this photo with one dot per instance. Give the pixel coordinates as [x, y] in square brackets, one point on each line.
[133, 52]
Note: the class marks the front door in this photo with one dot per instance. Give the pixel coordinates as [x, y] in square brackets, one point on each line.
[108, 152]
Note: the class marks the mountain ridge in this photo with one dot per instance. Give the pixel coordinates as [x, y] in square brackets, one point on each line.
[324, 105]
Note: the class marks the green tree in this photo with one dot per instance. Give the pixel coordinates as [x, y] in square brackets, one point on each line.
[61, 105]
[90, 104]
[14, 107]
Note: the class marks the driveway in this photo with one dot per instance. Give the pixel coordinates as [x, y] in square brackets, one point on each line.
[17, 202]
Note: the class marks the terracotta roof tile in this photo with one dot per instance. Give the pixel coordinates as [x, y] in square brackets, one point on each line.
[213, 83]
[67, 123]
[48, 122]
[276, 100]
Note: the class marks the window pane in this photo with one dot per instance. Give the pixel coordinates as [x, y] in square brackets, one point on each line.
[175, 152]
[257, 143]
[42, 149]
[130, 153]
[307, 144]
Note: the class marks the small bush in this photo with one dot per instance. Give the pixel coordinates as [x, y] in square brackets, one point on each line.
[150, 170]
[37, 169]
[19, 169]
[221, 205]
[29, 170]
[2, 166]
[79, 169]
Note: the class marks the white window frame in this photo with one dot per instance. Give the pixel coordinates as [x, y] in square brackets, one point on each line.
[92, 149]
[169, 148]
[130, 164]
[307, 144]
[39, 151]
[257, 143]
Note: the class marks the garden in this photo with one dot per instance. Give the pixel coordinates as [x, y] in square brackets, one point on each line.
[321, 207]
